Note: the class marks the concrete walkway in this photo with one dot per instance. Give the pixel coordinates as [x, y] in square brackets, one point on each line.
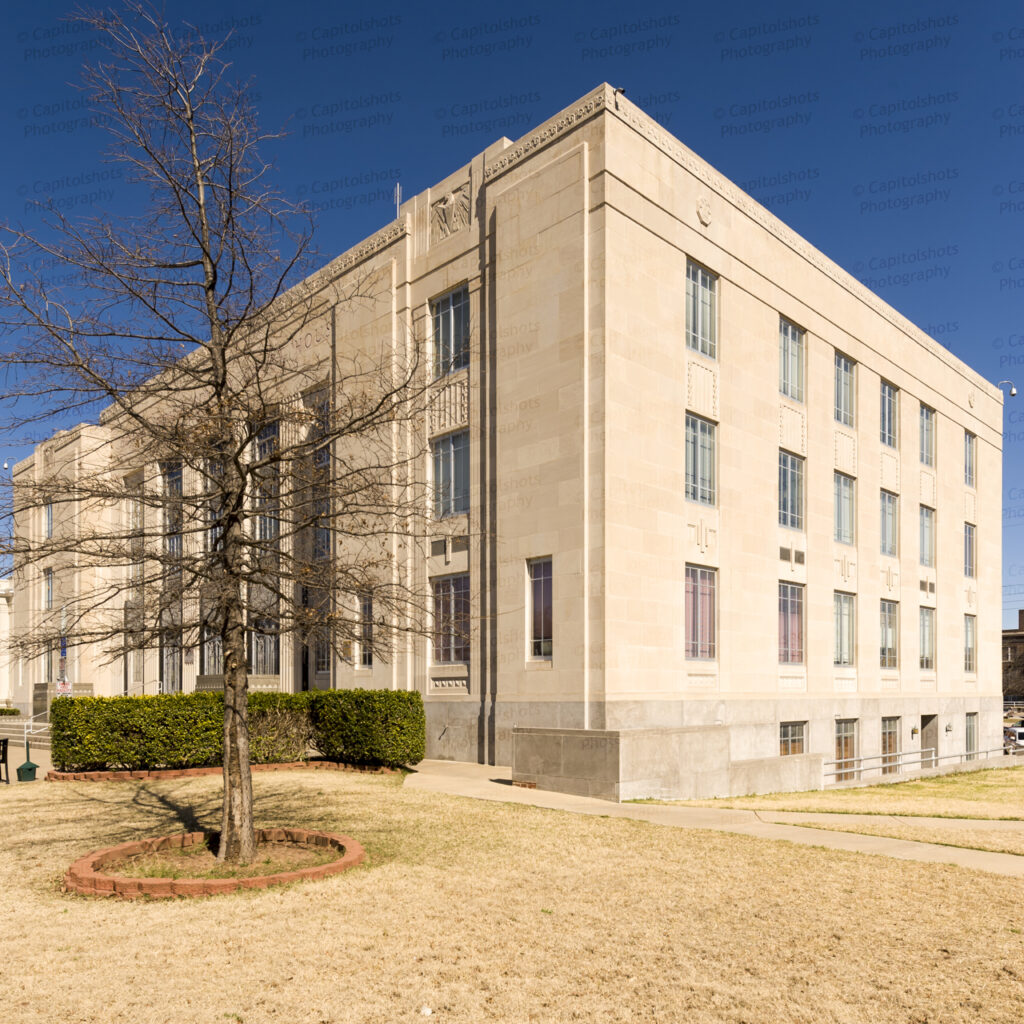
[490, 782]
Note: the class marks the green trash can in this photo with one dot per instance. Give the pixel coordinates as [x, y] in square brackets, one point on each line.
[27, 772]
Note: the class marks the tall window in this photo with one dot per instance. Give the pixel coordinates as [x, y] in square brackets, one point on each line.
[541, 609]
[889, 524]
[843, 620]
[700, 612]
[970, 643]
[971, 735]
[450, 316]
[845, 510]
[846, 749]
[211, 652]
[451, 619]
[791, 738]
[927, 436]
[791, 623]
[48, 664]
[700, 460]
[887, 418]
[321, 656]
[48, 520]
[970, 457]
[170, 661]
[173, 514]
[264, 646]
[791, 490]
[890, 745]
[791, 360]
[268, 526]
[48, 589]
[927, 638]
[888, 633]
[701, 310]
[451, 474]
[366, 631]
[970, 549]
[844, 390]
[927, 536]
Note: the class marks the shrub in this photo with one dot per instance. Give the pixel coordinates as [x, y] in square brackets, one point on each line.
[373, 727]
[10, 711]
[379, 727]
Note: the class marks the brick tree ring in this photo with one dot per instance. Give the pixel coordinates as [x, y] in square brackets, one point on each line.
[86, 876]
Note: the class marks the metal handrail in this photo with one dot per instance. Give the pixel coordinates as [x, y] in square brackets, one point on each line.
[31, 730]
[925, 754]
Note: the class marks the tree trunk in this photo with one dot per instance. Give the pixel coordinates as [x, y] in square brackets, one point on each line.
[237, 835]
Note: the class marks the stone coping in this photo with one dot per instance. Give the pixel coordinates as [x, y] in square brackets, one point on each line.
[84, 876]
[184, 773]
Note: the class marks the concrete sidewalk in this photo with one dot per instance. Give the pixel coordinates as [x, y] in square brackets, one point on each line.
[490, 782]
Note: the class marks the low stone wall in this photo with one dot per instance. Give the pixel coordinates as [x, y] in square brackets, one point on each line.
[684, 763]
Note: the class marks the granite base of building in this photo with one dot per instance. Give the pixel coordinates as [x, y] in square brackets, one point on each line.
[689, 763]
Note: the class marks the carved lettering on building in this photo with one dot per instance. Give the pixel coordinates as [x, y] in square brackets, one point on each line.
[449, 214]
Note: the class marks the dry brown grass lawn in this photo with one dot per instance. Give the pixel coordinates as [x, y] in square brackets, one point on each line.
[492, 912]
[990, 793]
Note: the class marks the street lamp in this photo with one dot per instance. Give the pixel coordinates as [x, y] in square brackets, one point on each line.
[1013, 387]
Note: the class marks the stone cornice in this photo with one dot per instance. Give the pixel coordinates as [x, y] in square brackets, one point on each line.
[567, 120]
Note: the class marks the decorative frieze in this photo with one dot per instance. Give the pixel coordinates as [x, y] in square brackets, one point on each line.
[846, 453]
[702, 389]
[792, 430]
[449, 406]
[449, 214]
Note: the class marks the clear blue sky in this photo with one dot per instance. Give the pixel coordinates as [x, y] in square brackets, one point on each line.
[890, 135]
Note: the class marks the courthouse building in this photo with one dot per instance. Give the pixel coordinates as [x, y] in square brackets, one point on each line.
[713, 514]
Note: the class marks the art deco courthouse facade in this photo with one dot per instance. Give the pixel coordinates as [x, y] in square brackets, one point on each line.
[699, 492]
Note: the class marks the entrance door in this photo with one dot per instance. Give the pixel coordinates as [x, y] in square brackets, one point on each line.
[929, 741]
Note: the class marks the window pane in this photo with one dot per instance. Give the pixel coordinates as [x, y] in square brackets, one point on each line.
[541, 609]
[843, 612]
[791, 360]
[791, 625]
[927, 638]
[888, 415]
[927, 536]
[888, 523]
[844, 390]
[844, 508]
[927, 436]
[888, 634]
[700, 460]
[969, 549]
[701, 587]
[700, 310]
[970, 448]
[791, 490]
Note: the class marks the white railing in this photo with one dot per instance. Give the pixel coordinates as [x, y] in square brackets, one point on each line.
[892, 760]
[850, 767]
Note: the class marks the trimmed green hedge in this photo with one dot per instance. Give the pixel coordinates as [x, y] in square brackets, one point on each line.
[385, 727]
[10, 711]
[373, 727]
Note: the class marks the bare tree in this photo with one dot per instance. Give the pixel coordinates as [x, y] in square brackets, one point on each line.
[233, 482]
